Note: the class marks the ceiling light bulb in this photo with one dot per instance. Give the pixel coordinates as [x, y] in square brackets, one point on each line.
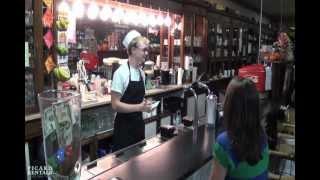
[180, 26]
[160, 20]
[64, 8]
[122, 15]
[152, 20]
[105, 13]
[116, 16]
[78, 9]
[142, 19]
[127, 19]
[93, 10]
[167, 21]
[131, 17]
[135, 18]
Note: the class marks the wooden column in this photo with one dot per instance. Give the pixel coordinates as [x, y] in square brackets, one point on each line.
[38, 43]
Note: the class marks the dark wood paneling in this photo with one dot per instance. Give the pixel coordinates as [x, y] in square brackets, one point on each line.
[38, 43]
[33, 129]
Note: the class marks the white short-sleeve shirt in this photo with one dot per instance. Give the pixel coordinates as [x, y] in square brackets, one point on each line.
[120, 79]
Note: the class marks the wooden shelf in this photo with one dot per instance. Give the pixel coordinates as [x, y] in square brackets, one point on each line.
[226, 59]
[104, 134]
[121, 50]
[87, 140]
[195, 47]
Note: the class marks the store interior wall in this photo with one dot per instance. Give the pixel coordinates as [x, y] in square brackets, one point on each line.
[242, 10]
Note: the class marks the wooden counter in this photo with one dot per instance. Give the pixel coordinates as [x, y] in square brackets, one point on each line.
[176, 158]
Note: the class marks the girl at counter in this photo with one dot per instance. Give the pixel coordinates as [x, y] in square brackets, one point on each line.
[127, 93]
[241, 152]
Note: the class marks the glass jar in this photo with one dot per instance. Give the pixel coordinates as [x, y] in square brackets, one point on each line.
[61, 129]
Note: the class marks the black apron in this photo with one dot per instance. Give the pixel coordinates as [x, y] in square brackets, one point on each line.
[129, 127]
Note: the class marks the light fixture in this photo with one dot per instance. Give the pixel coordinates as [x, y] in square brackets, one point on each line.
[121, 13]
[180, 26]
[93, 10]
[117, 15]
[167, 20]
[135, 18]
[132, 17]
[160, 20]
[152, 20]
[143, 19]
[78, 9]
[64, 8]
[124, 16]
[105, 13]
[128, 14]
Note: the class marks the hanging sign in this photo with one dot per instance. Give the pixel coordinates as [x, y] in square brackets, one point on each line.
[48, 3]
[48, 39]
[47, 19]
[49, 64]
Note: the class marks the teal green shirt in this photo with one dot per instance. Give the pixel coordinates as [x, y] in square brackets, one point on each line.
[225, 155]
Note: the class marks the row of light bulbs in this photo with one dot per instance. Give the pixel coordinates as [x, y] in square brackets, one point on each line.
[116, 14]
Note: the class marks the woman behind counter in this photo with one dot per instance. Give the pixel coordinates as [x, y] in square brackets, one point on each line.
[241, 152]
[127, 93]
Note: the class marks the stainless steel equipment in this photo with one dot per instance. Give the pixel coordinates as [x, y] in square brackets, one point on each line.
[211, 106]
[195, 123]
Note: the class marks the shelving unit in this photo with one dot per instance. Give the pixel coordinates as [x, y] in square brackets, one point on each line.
[242, 46]
[195, 39]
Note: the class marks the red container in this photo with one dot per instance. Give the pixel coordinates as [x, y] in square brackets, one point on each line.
[90, 60]
[256, 73]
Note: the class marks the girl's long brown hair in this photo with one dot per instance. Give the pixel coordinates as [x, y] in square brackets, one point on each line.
[241, 118]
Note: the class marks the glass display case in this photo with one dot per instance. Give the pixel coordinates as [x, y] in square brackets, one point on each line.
[96, 120]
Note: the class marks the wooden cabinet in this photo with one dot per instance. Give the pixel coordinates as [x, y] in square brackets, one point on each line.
[233, 41]
[176, 41]
[223, 42]
[195, 39]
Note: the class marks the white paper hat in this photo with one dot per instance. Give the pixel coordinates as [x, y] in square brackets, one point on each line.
[129, 37]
